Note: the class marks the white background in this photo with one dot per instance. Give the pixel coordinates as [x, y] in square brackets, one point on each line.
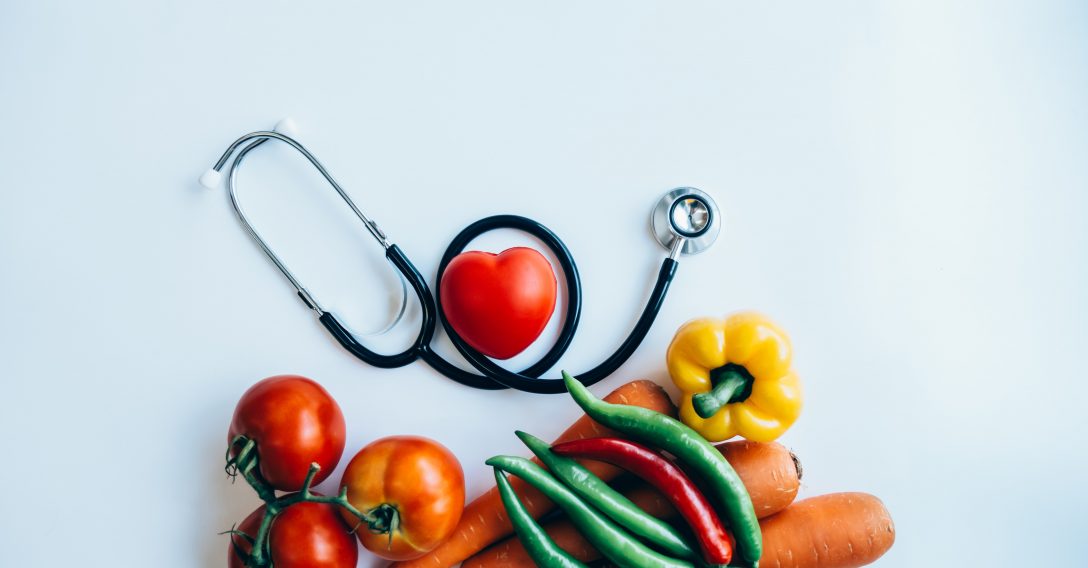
[904, 188]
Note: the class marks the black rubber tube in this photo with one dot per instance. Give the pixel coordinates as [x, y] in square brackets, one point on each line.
[493, 376]
[528, 380]
[426, 328]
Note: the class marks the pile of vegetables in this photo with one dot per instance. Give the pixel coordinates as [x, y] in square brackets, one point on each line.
[832, 531]
[634, 482]
[692, 504]
[770, 473]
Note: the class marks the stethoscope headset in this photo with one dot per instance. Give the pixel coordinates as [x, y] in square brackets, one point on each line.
[685, 221]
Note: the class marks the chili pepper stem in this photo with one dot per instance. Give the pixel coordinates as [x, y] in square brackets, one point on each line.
[732, 383]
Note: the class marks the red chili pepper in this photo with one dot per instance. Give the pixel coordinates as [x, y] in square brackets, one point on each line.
[714, 541]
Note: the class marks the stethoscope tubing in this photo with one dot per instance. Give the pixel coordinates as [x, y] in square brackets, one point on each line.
[426, 328]
[528, 380]
[493, 376]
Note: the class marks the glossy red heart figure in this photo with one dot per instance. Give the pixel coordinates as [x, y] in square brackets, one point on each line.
[499, 303]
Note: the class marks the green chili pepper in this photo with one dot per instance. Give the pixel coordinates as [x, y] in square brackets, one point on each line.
[609, 501]
[693, 451]
[541, 548]
[621, 548]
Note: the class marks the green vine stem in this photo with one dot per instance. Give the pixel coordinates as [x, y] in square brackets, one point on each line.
[383, 519]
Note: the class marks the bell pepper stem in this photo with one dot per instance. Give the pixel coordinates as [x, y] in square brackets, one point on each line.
[732, 383]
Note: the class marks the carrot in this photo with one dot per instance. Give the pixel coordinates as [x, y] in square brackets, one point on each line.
[770, 472]
[484, 520]
[839, 530]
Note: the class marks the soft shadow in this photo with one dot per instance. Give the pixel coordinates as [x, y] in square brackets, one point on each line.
[223, 504]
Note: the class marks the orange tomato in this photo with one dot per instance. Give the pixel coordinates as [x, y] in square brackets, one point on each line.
[414, 480]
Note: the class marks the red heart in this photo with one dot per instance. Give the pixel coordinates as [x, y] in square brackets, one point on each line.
[498, 303]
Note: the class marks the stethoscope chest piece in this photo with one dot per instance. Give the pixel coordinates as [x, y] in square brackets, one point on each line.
[686, 220]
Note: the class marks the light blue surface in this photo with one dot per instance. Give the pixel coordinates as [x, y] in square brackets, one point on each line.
[904, 186]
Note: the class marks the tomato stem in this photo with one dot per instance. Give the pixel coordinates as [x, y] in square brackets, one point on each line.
[245, 462]
[382, 519]
[386, 521]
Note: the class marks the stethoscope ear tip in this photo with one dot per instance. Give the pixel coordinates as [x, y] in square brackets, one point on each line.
[211, 178]
[287, 127]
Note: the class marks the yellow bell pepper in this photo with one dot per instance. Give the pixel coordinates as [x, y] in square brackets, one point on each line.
[736, 377]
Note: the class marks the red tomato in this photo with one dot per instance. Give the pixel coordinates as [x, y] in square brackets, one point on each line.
[418, 477]
[499, 304]
[304, 535]
[294, 422]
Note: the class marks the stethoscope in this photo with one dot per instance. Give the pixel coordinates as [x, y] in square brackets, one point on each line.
[685, 221]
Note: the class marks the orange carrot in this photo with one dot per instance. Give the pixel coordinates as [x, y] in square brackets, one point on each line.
[484, 520]
[770, 472]
[840, 530]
